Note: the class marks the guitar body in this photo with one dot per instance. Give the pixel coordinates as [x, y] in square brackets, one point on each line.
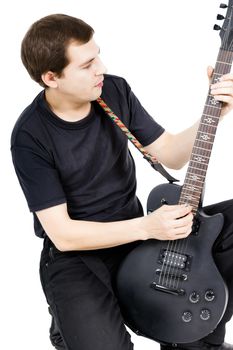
[163, 300]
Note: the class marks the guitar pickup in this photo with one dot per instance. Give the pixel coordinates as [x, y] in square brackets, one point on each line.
[174, 259]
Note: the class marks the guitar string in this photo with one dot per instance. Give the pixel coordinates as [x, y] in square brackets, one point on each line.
[168, 252]
[209, 111]
[221, 71]
[184, 242]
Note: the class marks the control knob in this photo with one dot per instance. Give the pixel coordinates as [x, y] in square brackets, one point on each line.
[187, 316]
[205, 314]
[194, 297]
[209, 295]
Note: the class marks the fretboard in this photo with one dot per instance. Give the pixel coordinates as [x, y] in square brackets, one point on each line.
[201, 152]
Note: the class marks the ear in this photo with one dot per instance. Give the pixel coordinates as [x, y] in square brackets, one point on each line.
[50, 79]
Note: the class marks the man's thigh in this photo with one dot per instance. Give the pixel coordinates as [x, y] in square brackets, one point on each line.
[224, 242]
[85, 309]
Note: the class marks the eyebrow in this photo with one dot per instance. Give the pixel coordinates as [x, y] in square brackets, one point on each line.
[89, 61]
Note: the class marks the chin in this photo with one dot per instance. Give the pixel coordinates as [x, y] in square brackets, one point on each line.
[97, 95]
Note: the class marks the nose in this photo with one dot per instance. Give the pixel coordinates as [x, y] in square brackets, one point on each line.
[100, 68]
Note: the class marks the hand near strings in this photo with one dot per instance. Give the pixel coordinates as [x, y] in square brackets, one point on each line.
[222, 90]
[169, 222]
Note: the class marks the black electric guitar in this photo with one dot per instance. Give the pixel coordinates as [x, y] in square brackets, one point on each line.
[172, 291]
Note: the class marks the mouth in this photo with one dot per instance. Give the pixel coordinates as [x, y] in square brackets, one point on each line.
[100, 84]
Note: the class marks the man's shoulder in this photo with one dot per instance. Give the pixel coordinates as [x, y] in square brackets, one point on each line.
[115, 87]
[114, 82]
[26, 119]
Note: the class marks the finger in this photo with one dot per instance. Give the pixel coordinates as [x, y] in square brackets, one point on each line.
[210, 71]
[170, 207]
[228, 76]
[186, 230]
[180, 234]
[228, 91]
[223, 84]
[224, 98]
[179, 212]
[183, 222]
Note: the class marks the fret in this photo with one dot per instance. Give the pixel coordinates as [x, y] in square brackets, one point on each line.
[212, 100]
[195, 185]
[205, 132]
[212, 116]
[207, 150]
[224, 63]
[186, 192]
[211, 96]
[198, 161]
[214, 112]
[219, 108]
[192, 188]
[204, 141]
[190, 198]
[202, 148]
[196, 175]
[216, 79]
[197, 164]
[201, 156]
[193, 167]
[204, 137]
[210, 126]
[190, 181]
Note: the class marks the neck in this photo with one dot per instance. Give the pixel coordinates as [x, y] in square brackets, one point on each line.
[66, 108]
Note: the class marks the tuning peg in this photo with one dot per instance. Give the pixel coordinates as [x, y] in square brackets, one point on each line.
[216, 27]
[220, 17]
[223, 6]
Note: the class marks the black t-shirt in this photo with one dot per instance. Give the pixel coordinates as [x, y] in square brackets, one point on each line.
[86, 164]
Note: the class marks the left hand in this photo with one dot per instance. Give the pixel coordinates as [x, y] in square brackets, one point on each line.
[222, 90]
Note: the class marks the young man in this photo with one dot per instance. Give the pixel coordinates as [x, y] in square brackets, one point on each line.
[78, 177]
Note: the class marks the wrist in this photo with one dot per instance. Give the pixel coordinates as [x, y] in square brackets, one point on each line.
[141, 230]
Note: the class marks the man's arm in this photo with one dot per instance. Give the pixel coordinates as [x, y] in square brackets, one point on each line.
[174, 150]
[166, 223]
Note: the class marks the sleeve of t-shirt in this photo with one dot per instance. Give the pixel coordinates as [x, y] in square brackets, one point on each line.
[142, 125]
[38, 178]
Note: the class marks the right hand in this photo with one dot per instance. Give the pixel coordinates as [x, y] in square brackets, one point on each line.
[169, 222]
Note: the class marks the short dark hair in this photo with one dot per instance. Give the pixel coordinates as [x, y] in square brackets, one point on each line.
[45, 44]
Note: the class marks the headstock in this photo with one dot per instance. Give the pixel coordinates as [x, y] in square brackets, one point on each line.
[226, 31]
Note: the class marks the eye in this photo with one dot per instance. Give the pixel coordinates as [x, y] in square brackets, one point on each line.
[86, 67]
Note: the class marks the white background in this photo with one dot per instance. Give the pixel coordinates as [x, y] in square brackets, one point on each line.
[162, 48]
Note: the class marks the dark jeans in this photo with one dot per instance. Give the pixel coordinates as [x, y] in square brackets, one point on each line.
[79, 288]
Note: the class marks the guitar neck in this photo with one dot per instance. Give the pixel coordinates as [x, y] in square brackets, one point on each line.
[201, 152]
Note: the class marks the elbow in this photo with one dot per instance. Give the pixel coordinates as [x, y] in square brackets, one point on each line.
[60, 239]
[174, 165]
[178, 166]
[59, 243]
[61, 246]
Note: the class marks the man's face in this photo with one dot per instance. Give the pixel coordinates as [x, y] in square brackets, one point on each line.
[82, 78]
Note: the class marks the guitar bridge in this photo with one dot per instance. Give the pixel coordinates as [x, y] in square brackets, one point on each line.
[173, 291]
